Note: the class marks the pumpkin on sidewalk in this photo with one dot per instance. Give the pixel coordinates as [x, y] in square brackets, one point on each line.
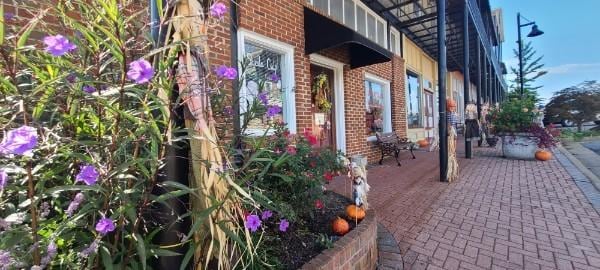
[340, 226]
[423, 143]
[543, 155]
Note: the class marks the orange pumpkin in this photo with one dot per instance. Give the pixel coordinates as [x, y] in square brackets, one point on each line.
[354, 212]
[543, 155]
[423, 143]
[340, 226]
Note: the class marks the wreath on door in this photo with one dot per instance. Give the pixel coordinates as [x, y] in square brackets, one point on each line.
[320, 92]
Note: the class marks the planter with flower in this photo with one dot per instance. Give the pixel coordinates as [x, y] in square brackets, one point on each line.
[514, 121]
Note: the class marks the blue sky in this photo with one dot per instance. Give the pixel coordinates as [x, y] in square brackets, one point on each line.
[570, 44]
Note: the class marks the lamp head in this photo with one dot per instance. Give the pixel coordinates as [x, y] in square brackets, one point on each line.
[535, 31]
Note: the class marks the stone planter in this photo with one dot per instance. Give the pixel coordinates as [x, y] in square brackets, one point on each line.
[355, 250]
[519, 146]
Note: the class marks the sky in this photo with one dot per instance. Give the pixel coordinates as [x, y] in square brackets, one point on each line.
[570, 43]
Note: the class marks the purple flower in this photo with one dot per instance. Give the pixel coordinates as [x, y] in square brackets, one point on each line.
[58, 45]
[45, 209]
[89, 89]
[226, 72]
[283, 225]
[71, 77]
[20, 141]
[274, 77]
[228, 111]
[51, 252]
[218, 9]
[8, 16]
[4, 225]
[266, 215]
[273, 110]
[3, 179]
[75, 204]
[264, 98]
[88, 174]
[105, 225]
[5, 259]
[140, 71]
[252, 222]
[90, 249]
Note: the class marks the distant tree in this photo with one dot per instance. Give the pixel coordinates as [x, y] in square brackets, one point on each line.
[532, 70]
[580, 103]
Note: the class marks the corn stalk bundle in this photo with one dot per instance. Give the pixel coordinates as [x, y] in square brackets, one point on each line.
[218, 216]
[452, 161]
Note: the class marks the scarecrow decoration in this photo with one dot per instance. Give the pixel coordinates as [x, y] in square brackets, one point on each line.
[357, 172]
[452, 121]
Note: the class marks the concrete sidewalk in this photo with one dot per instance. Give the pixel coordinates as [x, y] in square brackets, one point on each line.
[500, 214]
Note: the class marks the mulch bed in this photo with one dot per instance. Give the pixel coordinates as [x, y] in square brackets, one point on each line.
[298, 246]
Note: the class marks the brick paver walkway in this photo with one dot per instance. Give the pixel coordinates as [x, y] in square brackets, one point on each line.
[501, 214]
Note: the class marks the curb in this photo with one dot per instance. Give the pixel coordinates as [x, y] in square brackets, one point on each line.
[589, 174]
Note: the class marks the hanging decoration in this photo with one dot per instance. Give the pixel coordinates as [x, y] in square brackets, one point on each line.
[321, 92]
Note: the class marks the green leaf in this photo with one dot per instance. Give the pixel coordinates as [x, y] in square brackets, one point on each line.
[75, 188]
[283, 177]
[141, 249]
[1, 24]
[28, 29]
[164, 252]
[186, 259]
[198, 220]
[106, 258]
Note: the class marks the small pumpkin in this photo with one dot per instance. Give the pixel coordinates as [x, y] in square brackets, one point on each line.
[423, 143]
[354, 212]
[340, 226]
[543, 155]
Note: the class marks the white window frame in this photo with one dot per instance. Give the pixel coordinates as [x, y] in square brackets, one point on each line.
[387, 102]
[396, 48]
[287, 76]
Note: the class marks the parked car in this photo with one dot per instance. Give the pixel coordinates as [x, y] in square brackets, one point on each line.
[597, 121]
[550, 119]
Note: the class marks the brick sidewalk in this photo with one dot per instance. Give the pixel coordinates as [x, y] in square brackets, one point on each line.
[501, 214]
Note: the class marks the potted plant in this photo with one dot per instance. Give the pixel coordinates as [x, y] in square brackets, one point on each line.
[515, 122]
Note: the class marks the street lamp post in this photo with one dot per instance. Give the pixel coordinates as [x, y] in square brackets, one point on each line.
[534, 33]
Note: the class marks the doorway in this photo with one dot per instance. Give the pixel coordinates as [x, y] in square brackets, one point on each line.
[429, 130]
[323, 106]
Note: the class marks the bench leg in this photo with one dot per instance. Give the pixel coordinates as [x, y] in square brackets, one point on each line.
[396, 154]
[411, 152]
[382, 155]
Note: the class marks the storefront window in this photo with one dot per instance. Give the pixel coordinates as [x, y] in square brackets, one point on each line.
[377, 102]
[268, 78]
[413, 100]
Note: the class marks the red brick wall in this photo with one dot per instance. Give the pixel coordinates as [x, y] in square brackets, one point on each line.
[284, 21]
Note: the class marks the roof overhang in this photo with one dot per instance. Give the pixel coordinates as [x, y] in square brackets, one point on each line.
[323, 33]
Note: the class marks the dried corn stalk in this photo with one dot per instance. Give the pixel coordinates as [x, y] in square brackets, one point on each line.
[452, 161]
[215, 187]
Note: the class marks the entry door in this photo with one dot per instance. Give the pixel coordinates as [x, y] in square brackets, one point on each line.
[323, 106]
[429, 114]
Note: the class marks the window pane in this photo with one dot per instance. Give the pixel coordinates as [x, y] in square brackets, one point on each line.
[413, 99]
[371, 27]
[336, 10]
[374, 107]
[262, 76]
[322, 5]
[380, 34]
[349, 13]
[393, 43]
[360, 21]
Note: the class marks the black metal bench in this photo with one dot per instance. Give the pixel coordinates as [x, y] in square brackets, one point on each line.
[391, 144]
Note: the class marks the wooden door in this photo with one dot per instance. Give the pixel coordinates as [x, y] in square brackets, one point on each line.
[323, 106]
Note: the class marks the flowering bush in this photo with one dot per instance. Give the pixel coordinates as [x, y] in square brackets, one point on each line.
[520, 116]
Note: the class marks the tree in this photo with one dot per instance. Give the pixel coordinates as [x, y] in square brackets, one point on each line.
[532, 70]
[580, 103]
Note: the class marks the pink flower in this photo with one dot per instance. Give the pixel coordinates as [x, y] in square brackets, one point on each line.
[291, 149]
[58, 45]
[328, 176]
[87, 174]
[266, 215]
[20, 141]
[318, 204]
[140, 71]
[226, 72]
[218, 10]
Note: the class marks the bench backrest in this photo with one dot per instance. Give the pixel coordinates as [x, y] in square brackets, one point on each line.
[389, 137]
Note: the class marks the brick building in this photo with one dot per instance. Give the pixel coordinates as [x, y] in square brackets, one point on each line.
[373, 71]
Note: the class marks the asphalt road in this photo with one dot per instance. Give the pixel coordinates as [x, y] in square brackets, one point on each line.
[593, 145]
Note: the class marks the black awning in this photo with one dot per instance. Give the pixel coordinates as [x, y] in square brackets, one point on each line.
[324, 33]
